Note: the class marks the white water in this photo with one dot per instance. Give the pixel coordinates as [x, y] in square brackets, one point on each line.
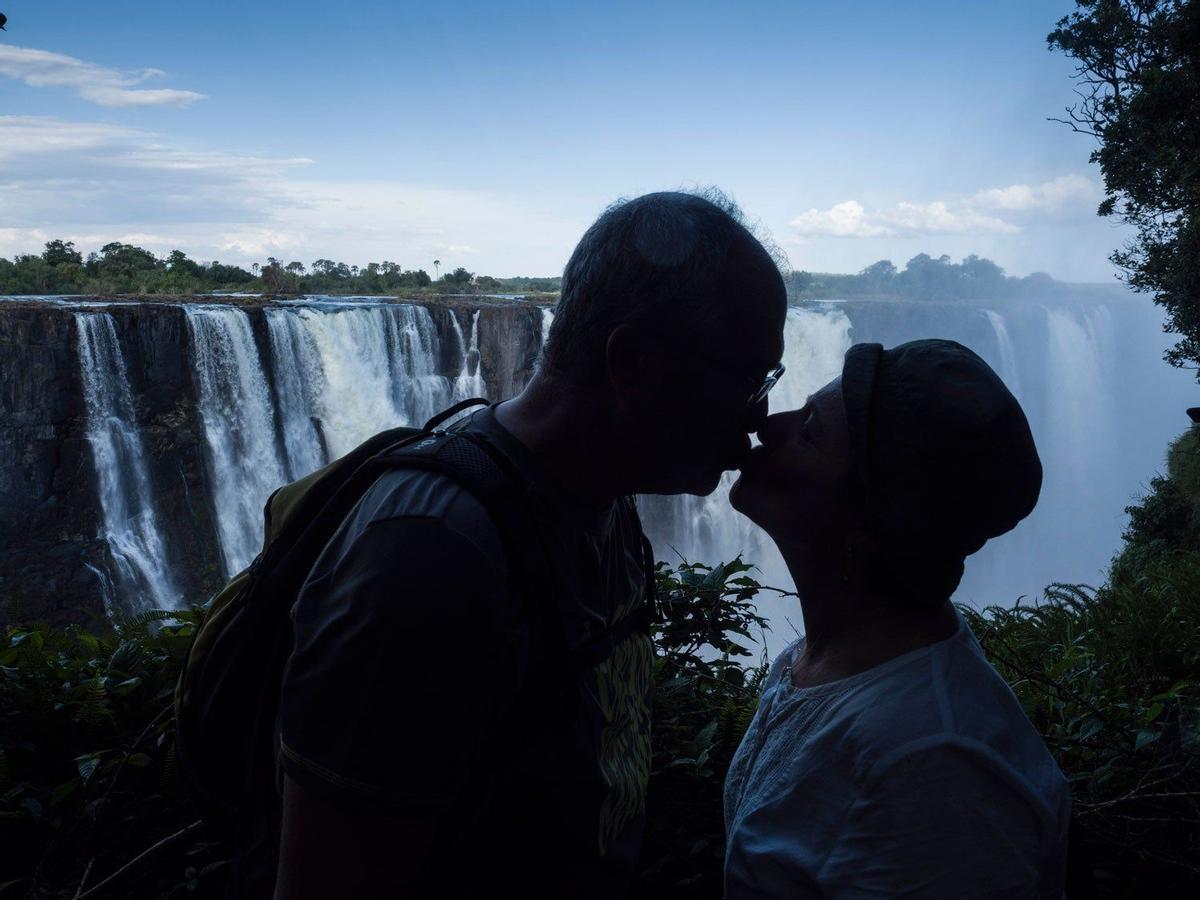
[1007, 369]
[470, 379]
[126, 498]
[341, 373]
[239, 427]
[1101, 403]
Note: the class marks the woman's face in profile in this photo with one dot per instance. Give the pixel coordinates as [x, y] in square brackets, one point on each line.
[796, 483]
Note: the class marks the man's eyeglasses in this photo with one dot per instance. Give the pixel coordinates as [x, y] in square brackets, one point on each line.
[771, 379]
[759, 387]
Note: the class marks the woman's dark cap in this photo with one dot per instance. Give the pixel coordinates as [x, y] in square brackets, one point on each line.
[942, 460]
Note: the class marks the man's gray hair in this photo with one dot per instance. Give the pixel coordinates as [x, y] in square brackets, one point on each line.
[678, 260]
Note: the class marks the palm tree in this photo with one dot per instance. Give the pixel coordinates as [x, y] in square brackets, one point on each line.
[436, 263]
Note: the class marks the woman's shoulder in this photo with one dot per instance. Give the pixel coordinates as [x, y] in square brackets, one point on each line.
[949, 700]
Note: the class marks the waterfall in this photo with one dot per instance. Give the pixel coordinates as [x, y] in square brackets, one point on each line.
[126, 497]
[1008, 359]
[239, 427]
[341, 372]
[344, 373]
[297, 372]
[470, 379]
[1088, 373]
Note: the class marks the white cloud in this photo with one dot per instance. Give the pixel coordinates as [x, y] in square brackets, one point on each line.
[1005, 210]
[847, 219]
[97, 84]
[851, 219]
[1049, 196]
[96, 183]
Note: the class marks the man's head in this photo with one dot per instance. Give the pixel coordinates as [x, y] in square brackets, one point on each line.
[671, 316]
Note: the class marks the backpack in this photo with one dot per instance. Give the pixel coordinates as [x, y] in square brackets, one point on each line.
[228, 693]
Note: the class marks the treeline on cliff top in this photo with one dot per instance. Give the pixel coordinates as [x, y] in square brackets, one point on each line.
[926, 278]
[125, 269]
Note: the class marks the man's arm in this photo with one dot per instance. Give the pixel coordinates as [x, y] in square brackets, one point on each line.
[398, 668]
[327, 850]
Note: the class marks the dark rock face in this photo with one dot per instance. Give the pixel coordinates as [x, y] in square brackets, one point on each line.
[53, 553]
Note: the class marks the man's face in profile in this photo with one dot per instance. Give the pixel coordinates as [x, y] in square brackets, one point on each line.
[701, 420]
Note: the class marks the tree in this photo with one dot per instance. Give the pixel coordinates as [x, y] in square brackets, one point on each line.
[877, 277]
[460, 277]
[436, 265]
[178, 263]
[125, 267]
[1138, 82]
[58, 252]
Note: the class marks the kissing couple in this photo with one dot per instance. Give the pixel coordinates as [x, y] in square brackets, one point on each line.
[887, 758]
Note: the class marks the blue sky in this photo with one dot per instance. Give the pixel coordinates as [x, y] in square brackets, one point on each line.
[490, 135]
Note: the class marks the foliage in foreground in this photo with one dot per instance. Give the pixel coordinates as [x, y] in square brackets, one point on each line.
[88, 778]
[87, 769]
[1109, 677]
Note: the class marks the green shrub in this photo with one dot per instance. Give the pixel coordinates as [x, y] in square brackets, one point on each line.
[87, 770]
[1111, 678]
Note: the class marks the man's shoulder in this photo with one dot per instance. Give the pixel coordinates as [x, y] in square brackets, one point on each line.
[405, 494]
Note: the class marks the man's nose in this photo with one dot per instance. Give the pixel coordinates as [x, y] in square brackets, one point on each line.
[756, 416]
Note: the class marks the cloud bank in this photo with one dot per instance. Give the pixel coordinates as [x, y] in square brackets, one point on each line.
[96, 84]
[995, 211]
[93, 183]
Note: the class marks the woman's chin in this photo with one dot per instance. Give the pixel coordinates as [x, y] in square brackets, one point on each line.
[741, 497]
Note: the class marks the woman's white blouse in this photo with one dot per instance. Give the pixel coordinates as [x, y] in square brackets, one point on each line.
[921, 777]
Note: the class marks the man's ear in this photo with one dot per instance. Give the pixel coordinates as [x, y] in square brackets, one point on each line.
[631, 374]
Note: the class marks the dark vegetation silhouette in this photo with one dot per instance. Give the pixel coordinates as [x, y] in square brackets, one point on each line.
[1138, 89]
[125, 269]
[927, 278]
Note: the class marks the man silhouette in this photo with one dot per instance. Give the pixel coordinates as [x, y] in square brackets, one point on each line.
[407, 646]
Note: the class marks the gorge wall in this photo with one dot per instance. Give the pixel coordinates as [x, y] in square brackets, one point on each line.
[112, 498]
[140, 440]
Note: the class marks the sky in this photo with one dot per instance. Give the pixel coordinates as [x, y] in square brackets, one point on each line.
[489, 135]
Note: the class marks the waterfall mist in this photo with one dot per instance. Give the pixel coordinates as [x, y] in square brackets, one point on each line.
[1101, 404]
[322, 375]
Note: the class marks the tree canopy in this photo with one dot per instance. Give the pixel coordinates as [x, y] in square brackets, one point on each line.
[125, 269]
[924, 278]
[1138, 83]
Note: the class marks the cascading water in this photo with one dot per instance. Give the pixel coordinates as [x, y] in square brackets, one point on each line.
[470, 380]
[296, 367]
[126, 498]
[342, 371]
[239, 427]
[1007, 369]
[1101, 404]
